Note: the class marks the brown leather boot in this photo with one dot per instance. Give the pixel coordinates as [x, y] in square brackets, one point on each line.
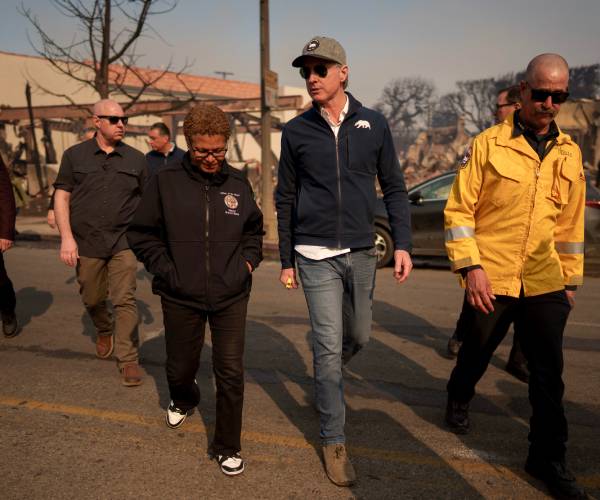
[337, 465]
[104, 346]
[131, 375]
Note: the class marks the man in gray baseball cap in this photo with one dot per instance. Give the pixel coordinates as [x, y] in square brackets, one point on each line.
[330, 157]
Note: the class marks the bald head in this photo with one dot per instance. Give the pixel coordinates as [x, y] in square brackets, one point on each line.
[547, 66]
[110, 122]
[108, 107]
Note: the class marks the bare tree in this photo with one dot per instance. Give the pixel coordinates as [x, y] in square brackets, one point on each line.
[475, 100]
[406, 103]
[584, 82]
[444, 112]
[102, 54]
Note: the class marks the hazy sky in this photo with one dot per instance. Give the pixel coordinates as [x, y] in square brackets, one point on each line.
[442, 40]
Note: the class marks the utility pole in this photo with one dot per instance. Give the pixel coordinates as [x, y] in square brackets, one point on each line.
[36, 153]
[266, 88]
[224, 74]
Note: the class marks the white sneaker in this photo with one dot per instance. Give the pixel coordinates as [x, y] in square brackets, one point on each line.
[231, 465]
[175, 416]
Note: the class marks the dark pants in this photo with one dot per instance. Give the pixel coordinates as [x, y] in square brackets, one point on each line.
[184, 335]
[463, 324]
[8, 300]
[543, 319]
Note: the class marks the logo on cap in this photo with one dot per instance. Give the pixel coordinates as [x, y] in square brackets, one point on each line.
[312, 45]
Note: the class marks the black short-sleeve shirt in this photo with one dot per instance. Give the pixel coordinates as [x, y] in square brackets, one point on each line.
[105, 191]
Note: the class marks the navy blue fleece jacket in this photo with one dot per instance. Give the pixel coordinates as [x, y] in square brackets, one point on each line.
[326, 187]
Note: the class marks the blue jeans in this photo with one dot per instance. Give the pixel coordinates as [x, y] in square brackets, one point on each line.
[339, 295]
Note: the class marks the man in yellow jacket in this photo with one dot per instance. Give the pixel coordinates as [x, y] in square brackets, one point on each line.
[514, 232]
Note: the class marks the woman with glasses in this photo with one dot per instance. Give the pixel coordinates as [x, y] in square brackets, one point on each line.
[199, 232]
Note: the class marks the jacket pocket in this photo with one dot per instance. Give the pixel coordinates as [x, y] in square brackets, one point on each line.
[565, 173]
[362, 153]
[506, 182]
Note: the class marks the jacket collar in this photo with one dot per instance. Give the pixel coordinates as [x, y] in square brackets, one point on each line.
[505, 136]
[353, 106]
[211, 179]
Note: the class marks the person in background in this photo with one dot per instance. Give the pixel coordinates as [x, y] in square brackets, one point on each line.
[8, 213]
[99, 185]
[164, 152]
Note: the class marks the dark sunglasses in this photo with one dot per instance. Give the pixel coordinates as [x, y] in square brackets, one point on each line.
[540, 95]
[113, 120]
[319, 69]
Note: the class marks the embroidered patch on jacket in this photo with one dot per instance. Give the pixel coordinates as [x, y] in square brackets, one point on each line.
[362, 124]
[565, 152]
[466, 157]
[232, 203]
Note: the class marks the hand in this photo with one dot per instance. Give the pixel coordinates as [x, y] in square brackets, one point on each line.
[402, 265]
[249, 267]
[69, 252]
[5, 245]
[571, 297]
[51, 219]
[288, 278]
[479, 291]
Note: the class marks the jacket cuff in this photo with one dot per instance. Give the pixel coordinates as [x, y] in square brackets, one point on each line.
[464, 270]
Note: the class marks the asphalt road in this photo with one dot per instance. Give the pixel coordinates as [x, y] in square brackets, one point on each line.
[68, 429]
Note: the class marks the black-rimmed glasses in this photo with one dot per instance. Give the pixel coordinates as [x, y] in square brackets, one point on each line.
[202, 154]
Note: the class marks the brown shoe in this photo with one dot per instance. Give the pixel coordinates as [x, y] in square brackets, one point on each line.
[131, 375]
[104, 346]
[337, 465]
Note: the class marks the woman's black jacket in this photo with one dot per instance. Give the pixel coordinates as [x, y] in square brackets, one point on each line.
[195, 232]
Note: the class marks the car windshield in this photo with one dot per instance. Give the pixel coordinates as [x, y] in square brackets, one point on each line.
[438, 189]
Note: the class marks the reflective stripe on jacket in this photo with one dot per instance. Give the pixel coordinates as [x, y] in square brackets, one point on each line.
[520, 218]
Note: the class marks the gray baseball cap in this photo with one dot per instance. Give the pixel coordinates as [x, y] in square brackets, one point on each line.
[322, 47]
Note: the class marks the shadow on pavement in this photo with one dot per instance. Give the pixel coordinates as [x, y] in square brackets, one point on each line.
[365, 428]
[482, 443]
[32, 302]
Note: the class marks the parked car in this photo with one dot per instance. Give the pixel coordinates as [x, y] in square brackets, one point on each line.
[427, 202]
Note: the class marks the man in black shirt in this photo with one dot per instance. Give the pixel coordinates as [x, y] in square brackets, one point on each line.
[164, 152]
[98, 188]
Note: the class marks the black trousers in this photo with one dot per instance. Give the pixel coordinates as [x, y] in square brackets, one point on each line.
[463, 324]
[184, 335]
[8, 300]
[543, 319]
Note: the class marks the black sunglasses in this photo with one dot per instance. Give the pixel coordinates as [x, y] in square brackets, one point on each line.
[319, 69]
[113, 120]
[540, 95]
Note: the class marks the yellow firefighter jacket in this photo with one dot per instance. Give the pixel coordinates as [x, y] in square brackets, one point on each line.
[517, 217]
